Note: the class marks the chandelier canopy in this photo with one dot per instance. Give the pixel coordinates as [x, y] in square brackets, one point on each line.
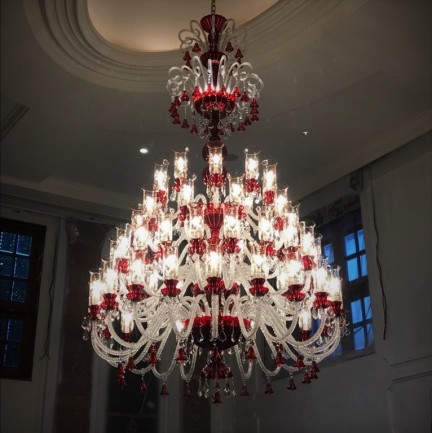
[229, 275]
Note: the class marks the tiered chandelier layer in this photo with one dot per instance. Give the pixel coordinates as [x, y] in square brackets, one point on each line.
[231, 276]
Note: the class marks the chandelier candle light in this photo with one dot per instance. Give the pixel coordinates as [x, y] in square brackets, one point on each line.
[229, 274]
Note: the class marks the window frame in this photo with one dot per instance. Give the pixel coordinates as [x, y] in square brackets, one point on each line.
[329, 218]
[27, 311]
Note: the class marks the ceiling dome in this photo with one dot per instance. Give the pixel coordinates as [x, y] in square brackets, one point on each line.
[129, 25]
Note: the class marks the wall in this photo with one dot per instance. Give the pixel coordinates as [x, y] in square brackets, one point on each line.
[28, 406]
[389, 390]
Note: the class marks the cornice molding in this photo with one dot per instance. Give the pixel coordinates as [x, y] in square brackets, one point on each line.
[65, 31]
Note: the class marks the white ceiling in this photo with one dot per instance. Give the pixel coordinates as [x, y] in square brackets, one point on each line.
[76, 109]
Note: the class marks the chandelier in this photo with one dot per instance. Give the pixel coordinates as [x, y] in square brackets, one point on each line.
[223, 278]
[214, 92]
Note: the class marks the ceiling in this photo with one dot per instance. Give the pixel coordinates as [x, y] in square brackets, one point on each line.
[129, 24]
[78, 102]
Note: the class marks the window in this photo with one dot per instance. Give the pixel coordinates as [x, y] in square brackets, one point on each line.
[21, 252]
[343, 244]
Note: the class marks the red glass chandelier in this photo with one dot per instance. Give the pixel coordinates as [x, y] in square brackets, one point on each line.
[215, 93]
[228, 275]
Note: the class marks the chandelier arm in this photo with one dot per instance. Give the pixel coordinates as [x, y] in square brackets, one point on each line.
[266, 371]
[140, 371]
[119, 340]
[157, 325]
[153, 293]
[247, 252]
[233, 34]
[221, 74]
[307, 284]
[231, 274]
[331, 346]
[283, 333]
[112, 361]
[247, 335]
[199, 73]
[146, 308]
[214, 316]
[143, 354]
[271, 275]
[164, 375]
[100, 346]
[237, 73]
[282, 303]
[162, 344]
[200, 198]
[315, 337]
[287, 348]
[199, 274]
[181, 78]
[147, 333]
[254, 85]
[192, 313]
[188, 376]
[195, 34]
[289, 368]
[285, 345]
[245, 375]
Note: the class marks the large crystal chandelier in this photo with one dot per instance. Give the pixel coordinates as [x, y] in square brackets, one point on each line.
[227, 277]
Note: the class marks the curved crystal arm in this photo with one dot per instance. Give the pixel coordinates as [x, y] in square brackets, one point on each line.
[279, 326]
[119, 340]
[157, 325]
[330, 347]
[201, 198]
[183, 78]
[266, 371]
[214, 316]
[199, 275]
[191, 313]
[245, 375]
[164, 375]
[238, 311]
[102, 350]
[231, 34]
[195, 34]
[254, 85]
[188, 376]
